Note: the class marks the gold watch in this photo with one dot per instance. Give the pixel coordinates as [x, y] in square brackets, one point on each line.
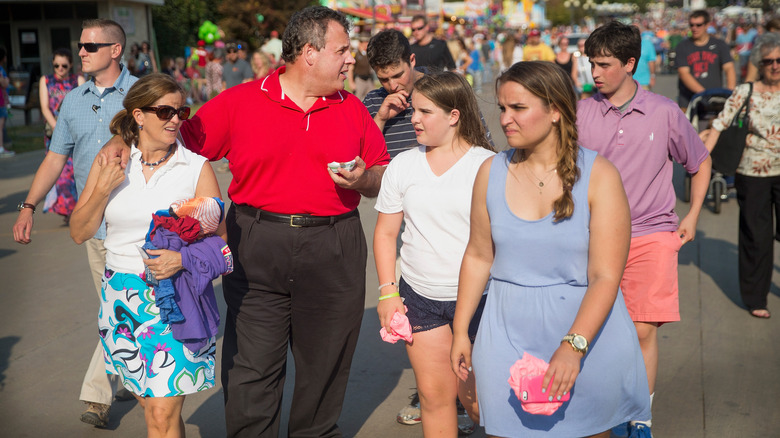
[577, 342]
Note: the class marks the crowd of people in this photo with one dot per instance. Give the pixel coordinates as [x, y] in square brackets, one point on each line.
[586, 142]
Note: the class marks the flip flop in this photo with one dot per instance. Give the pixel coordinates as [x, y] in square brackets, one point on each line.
[760, 313]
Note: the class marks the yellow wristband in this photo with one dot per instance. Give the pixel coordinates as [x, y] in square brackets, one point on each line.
[384, 297]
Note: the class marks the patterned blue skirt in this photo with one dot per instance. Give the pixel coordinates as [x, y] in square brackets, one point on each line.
[141, 349]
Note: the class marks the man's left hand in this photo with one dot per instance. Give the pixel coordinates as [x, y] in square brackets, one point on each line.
[687, 229]
[349, 179]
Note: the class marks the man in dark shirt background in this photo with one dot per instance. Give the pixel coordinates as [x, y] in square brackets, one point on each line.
[702, 60]
[429, 51]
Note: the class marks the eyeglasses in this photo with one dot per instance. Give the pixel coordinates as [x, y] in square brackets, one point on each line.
[93, 47]
[770, 61]
[166, 112]
[61, 65]
[417, 29]
[696, 24]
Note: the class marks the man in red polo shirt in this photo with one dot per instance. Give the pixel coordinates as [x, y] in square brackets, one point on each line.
[294, 230]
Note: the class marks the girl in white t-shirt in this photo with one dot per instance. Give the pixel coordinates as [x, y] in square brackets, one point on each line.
[429, 188]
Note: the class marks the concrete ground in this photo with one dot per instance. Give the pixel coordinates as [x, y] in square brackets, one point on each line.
[718, 373]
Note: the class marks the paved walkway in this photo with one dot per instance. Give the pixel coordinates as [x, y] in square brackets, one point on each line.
[719, 375]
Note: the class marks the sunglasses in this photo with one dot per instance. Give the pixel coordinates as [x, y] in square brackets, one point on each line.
[769, 61]
[416, 29]
[232, 51]
[61, 65]
[696, 24]
[93, 47]
[166, 112]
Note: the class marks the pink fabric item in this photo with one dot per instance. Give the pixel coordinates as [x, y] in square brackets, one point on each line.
[530, 366]
[401, 329]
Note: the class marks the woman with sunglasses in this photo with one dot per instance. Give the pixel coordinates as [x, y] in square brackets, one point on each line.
[157, 368]
[757, 178]
[52, 89]
[429, 188]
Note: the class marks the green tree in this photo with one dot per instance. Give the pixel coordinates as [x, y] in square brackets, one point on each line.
[241, 18]
[176, 24]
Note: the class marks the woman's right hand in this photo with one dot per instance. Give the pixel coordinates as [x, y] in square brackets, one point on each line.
[387, 308]
[460, 356]
[111, 175]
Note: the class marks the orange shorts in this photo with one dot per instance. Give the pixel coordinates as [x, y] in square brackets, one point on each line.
[649, 282]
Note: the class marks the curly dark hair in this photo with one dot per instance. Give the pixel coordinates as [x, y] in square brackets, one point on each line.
[615, 39]
[309, 26]
[388, 48]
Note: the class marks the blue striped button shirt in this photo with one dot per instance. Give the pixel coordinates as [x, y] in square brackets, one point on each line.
[82, 125]
[398, 131]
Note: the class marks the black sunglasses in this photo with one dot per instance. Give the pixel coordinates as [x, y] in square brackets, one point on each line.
[166, 112]
[93, 47]
[766, 62]
[232, 51]
[696, 24]
[61, 65]
[415, 29]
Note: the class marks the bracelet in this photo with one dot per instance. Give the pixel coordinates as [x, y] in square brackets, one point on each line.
[392, 283]
[384, 297]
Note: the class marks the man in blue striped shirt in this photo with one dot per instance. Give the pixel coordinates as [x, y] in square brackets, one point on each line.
[81, 130]
[391, 57]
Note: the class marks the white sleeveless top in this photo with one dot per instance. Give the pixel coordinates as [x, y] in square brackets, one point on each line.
[131, 205]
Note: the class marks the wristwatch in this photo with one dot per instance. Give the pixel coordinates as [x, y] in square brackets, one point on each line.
[578, 342]
[23, 205]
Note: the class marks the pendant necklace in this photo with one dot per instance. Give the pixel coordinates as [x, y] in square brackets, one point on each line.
[157, 163]
[540, 181]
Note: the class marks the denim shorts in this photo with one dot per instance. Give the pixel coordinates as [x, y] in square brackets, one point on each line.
[3, 112]
[425, 314]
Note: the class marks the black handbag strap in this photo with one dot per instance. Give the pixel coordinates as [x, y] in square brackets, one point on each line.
[745, 106]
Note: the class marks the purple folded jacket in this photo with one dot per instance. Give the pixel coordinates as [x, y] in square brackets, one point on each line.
[203, 261]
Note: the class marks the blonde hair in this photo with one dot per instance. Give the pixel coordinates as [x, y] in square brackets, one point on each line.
[554, 87]
[450, 91]
[145, 92]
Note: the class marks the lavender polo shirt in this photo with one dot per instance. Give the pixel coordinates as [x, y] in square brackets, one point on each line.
[641, 143]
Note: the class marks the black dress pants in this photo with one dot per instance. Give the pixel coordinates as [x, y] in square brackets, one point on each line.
[302, 287]
[759, 204]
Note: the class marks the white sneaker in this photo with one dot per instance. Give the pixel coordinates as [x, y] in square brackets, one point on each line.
[5, 153]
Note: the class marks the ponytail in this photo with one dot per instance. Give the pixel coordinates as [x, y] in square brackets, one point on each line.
[124, 125]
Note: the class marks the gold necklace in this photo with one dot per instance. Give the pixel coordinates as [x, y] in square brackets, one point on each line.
[540, 183]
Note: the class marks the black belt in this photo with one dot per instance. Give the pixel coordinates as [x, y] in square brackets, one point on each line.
[294, 220]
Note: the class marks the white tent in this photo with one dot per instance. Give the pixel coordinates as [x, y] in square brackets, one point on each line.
[736, 11]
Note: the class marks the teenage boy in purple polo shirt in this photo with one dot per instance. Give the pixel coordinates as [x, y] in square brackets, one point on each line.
[640, 133]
